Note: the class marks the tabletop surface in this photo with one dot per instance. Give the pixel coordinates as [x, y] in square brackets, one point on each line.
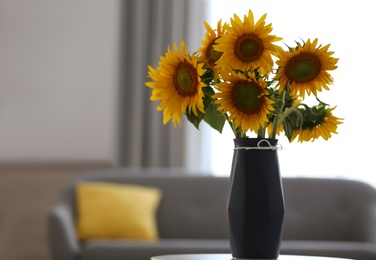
[229, 257]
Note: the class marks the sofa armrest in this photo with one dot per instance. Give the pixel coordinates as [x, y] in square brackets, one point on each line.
[62, 241]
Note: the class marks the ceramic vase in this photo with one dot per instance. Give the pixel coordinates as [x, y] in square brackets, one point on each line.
[255, 204]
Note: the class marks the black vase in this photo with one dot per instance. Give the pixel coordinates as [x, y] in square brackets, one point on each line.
[256, 202]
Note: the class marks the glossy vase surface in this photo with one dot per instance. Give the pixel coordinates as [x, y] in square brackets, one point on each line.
[255, 202]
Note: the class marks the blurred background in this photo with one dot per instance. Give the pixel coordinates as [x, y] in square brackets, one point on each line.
[73, 99]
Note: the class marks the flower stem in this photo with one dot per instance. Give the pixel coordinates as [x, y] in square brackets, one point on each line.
[237, 132]
[261, 132]
[277, 118]
[276, 123]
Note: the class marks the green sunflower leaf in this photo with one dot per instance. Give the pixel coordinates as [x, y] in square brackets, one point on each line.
[208, 92]
[195, 120]
[292, 123]
[207, 77]
[288, 129]
[214, 117]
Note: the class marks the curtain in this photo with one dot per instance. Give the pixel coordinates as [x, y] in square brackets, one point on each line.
[148, 27]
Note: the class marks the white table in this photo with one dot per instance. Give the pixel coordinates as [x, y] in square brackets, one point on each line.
[229, 257]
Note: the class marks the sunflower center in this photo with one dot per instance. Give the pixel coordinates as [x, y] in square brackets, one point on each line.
[248, 47]
[246, 96]
[303, 67]
[185, 79]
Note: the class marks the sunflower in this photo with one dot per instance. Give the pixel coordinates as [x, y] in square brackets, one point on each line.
[177, 84]
[247, 45]
[304, 69]
[244, 97]
[323, 125]
[207, 53]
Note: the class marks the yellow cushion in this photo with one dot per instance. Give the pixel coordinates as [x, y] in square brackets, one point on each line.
[109, 210]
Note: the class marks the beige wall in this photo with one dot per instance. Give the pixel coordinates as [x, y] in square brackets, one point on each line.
[26, 194]
[58, 79]
[58, 91]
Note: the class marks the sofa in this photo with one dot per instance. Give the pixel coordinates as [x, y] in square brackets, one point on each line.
[323, 217]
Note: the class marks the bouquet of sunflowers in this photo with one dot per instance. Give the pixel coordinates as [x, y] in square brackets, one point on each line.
[240, 76]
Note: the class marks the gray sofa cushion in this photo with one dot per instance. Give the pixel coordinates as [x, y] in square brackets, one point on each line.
[329, 209]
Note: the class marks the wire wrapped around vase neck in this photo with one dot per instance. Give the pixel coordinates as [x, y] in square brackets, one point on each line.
[258, 147]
